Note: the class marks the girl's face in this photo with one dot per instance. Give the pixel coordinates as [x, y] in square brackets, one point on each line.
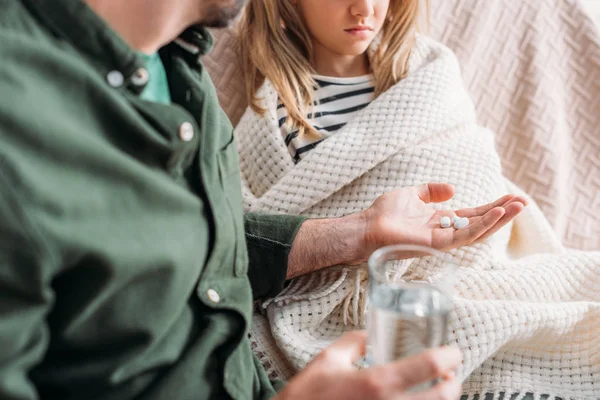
[344, 27]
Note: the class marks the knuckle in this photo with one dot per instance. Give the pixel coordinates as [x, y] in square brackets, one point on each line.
[445, 395]
[433, 364]
[439, 395]
[353, 335]
[373, 386]
[326, 356]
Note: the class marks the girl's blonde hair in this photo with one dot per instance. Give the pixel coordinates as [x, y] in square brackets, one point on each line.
[275, 44]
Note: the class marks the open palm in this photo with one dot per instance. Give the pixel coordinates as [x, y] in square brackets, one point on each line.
[406, 216]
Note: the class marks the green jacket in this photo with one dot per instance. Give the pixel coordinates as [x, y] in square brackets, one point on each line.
[124, 271]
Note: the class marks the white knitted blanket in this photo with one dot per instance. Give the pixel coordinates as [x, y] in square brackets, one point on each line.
[527, 311]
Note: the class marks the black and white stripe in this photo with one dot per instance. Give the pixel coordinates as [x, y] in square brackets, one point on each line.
[337, 101]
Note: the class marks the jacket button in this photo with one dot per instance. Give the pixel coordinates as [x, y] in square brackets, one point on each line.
[140, 77]
[186, 131]
[213, 295]
[115, 79]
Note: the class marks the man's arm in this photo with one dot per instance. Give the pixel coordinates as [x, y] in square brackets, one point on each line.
[403, 216]
[25, 297]
[322, 243]
[283, 247]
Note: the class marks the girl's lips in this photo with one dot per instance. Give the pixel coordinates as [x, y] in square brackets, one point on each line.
[360, 32]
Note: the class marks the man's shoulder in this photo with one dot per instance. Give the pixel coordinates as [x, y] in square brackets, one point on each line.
[11, 12]
[44, 89]
[16, 19]
[30, 53]
[35, 82]
[36, 72]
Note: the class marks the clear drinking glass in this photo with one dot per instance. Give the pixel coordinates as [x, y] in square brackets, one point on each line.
[406, 315]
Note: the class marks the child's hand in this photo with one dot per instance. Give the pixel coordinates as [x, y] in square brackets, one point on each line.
[405, 216]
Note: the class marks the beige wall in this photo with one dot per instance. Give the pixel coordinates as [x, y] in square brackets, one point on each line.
[594, 7]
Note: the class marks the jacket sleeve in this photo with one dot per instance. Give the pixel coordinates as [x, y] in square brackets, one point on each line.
[269, 240]
[25, 297]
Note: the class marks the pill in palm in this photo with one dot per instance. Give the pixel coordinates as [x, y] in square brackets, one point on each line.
[445, 222]
[461, 223]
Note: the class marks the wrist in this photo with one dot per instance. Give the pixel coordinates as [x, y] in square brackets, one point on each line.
[354, 233]
[322, 243]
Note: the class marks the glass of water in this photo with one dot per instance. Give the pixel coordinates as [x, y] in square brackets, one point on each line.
[407, 315]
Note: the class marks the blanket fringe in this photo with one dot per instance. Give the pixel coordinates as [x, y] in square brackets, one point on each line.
[354, 309]
[318, 285]
[518, 395]
[303, 288]
[356, 303]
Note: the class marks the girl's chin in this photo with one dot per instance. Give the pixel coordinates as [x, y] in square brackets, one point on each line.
[356, 50]
[349, 48]
[353, 49]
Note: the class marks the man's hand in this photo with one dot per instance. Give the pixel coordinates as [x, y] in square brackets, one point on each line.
[404, 216]
[331, 375]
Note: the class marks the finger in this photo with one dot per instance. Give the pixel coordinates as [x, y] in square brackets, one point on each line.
[476, 229]
[481, 210]
[512, 210]
[448, 389]
[523, 200]
[427, 366]
[516, 199]
[435, 192]
[344, 351]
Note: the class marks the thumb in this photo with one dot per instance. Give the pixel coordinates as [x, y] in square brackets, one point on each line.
[344, 351]
[435, 192]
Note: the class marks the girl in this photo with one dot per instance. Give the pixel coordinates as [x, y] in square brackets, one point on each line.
[315, 54]
[348, 102]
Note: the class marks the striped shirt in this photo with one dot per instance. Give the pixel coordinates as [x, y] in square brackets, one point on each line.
[337, 101]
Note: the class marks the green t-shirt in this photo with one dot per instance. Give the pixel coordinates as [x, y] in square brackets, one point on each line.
[157, 89]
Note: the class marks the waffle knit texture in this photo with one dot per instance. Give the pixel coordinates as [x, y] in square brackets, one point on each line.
[527, 310]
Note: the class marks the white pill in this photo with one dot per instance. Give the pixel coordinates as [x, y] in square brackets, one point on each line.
[445, 222]
[461, 223]
[454, 219]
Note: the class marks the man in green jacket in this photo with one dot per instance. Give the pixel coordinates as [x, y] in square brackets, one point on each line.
[127, 270]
